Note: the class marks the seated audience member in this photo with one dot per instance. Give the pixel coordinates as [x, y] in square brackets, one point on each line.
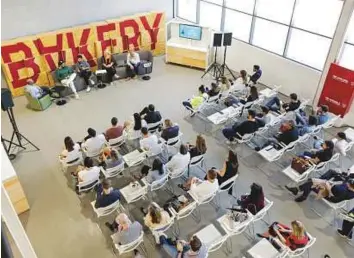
[133, 61]
[155, 173]
[83, 69]
[225, 84]
[321, 116]
[231, 100]
[88, 172]
[155, 216]
[115, 131]
[180, 161]
[229, 170]
[196, 101]
[106, 194]
[241, 82]
[275, 105]
[257, 73]
[287, 134]
[294, 237]
[124, 230]
[331, 191]
[71, 152]
[347, 226]
[309, 127]
[201, 188]
[199, 148]
[110, 158]
[66, 76]
[109, 64]
[149, 142]
[150, 115]
[214, 91]
[192, 249]
[240, 129]
[254, 201]
[336, 175]
[322, 155]
[265, 117]
[340, 143]
[93, 143]
[37, 92]
[133, 128]
[170, 130]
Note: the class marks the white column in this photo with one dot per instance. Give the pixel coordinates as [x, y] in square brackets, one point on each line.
[336, 45]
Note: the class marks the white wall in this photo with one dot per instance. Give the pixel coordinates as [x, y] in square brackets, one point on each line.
[292, 76]
[27, 17]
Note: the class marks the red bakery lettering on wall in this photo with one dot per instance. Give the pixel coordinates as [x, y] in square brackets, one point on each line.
[49, 49]
[154, 30]
[7, 51]
[126, 39]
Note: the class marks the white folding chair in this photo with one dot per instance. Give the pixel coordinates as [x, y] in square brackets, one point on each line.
[122, 249]
[172, 145]
[158, 184]
[300, 251]
[262, 213]
[117, 142]
[246, 138]
[152, 127]
[113, 172]
[197, 161]
[215, 238]
[330, 123]
[183, 213]
[65, 165]
[334, 209]
[295, 176]
[87, 186]
[203, 200]
[104, 211]
[226, 186]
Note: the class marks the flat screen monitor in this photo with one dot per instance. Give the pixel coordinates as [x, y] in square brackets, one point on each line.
[190, 32]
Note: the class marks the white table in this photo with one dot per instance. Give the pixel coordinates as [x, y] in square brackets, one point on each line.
[134, 157]
[218, 118]
[131, 192]
[269, 153]
[349, 133]
[263, 249]
[267, 92]
[209, 235]
[234, 227]
[294, 175]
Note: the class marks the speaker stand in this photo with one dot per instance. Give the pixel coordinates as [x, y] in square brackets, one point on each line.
[224, 65]
[214, 67]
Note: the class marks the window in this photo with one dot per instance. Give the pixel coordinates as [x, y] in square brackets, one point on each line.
[270, 36]
[350, 31]
[187, 9]
[276, 10]
[210, 15]
[246, 6]
[308, 48]
[318, 16]
[239, 24]
[219, 2]
[347, 57]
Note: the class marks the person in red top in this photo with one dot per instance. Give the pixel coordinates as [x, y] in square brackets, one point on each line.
[115, 131]
[293, 238]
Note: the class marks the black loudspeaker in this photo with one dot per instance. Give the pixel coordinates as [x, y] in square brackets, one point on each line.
[217, 40]
[6, 99]
[227, 39]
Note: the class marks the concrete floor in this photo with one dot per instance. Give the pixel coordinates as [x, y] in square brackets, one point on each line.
[59, 224]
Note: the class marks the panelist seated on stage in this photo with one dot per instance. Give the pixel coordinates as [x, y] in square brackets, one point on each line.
[66, 76]
[169, 130]
[109, 64]
[150, 115]
[240, 129]
[83, 69]
[133, 62]
[36, 91]
[93, 143]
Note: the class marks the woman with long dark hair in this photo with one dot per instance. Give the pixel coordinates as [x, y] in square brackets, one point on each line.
[199, 148]
[229, 170]
[254, 201]
[71, 152]
[156, 172]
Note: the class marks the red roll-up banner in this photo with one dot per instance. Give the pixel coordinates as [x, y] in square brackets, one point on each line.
[338, 90]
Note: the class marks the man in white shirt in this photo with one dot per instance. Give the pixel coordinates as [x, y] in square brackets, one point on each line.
[94, 143]
[150, 143]
[204, 188]
[341, 143]
[180, 161]
[89, 173]
[133, 61]
[35, 91]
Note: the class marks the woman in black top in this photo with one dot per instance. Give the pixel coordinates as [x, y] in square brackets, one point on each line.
[199, 148]
[215, 90]
[229, 170]
[252, 97]
[109, 64]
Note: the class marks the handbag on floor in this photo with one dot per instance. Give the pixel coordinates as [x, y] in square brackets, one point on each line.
[300, 165]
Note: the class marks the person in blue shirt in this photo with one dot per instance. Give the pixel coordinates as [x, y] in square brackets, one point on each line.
[321, 115]
[309, 127]
[257, 73]
[170, 130]
[106, 194]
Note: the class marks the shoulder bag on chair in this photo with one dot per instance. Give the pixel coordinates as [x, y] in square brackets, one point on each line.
[300, 165]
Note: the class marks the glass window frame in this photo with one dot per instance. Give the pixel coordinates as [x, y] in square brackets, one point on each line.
[254, 16]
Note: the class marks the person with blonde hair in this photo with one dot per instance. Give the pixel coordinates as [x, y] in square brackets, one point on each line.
[155, 216]
[294, 237]
[109, 64]
[169, 130]
[199, 148]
